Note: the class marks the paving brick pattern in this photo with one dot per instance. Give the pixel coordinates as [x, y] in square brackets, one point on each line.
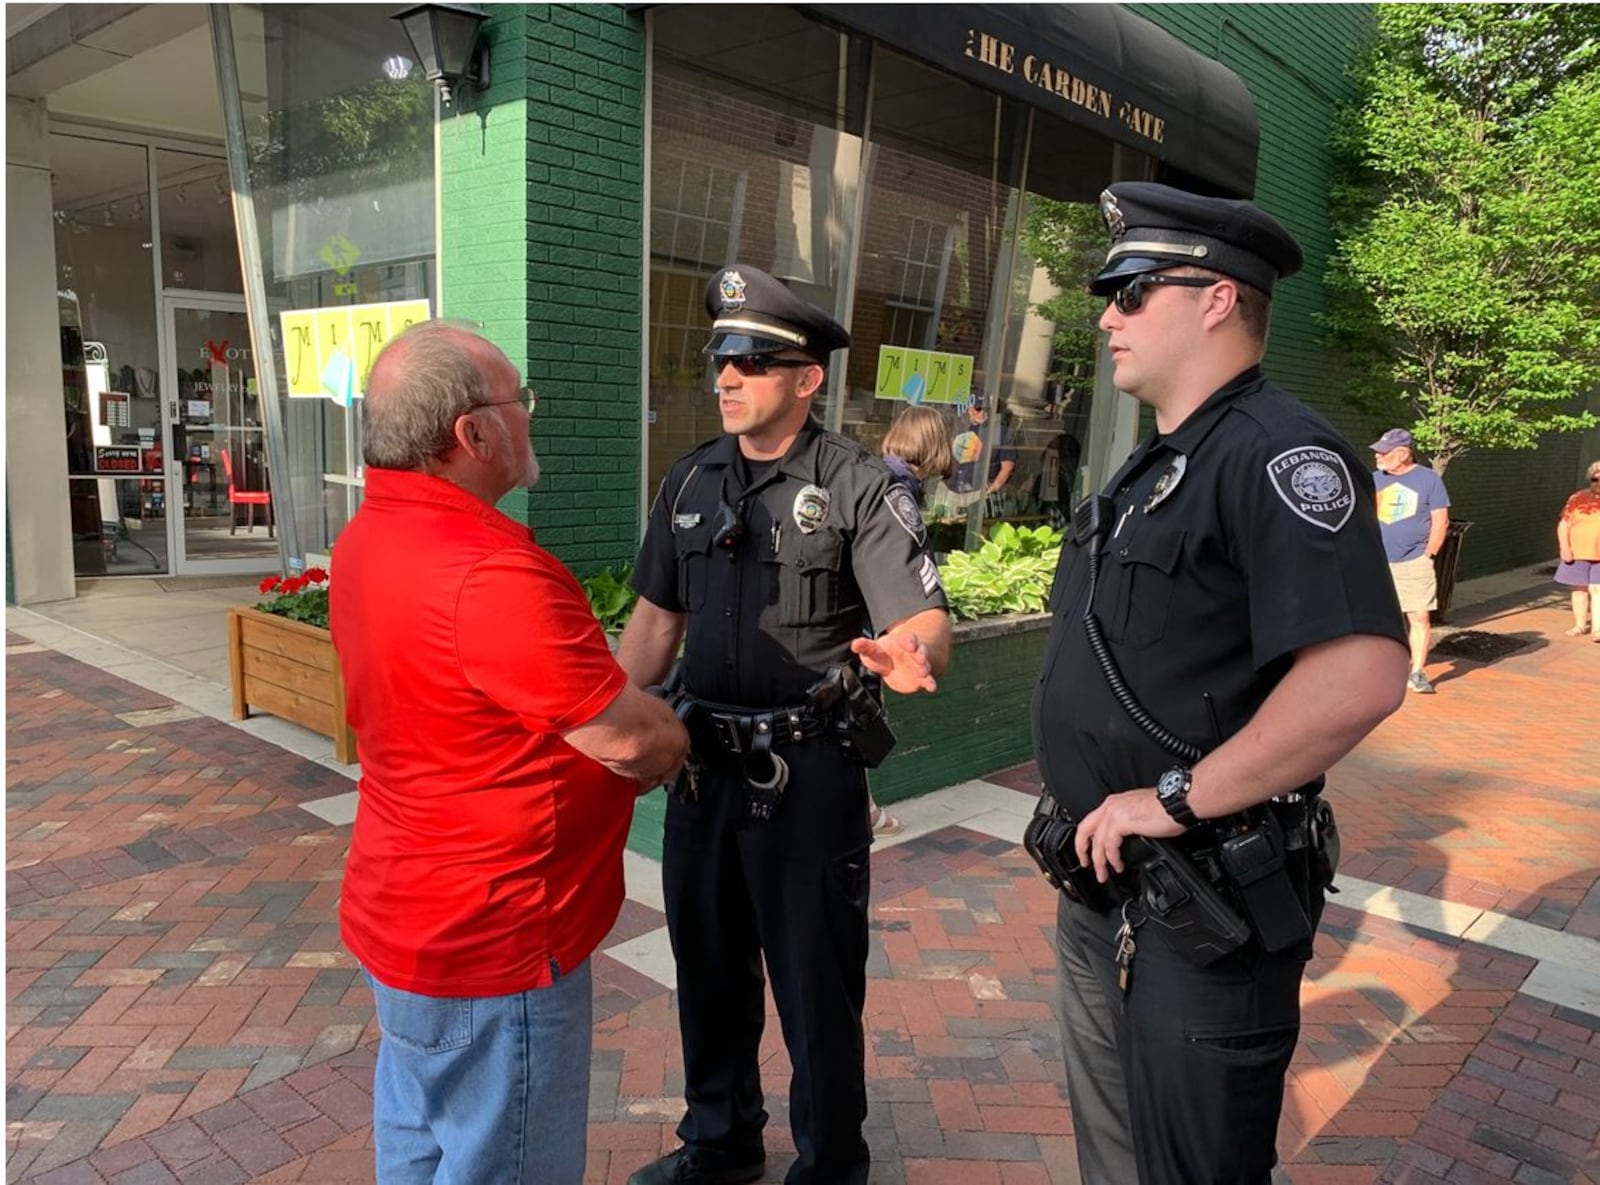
[180, 1009]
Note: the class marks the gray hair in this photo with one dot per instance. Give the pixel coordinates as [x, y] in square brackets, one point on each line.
[422, 382]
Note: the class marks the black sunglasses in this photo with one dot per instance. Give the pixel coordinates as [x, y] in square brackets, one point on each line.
[752, 365]
[1130, 297]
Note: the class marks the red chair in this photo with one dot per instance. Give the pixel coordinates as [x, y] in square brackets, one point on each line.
[247, 498]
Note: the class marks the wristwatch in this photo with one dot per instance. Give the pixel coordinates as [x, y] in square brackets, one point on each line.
[1172, 791]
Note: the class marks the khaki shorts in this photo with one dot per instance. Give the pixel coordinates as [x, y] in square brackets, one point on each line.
[1415, 583]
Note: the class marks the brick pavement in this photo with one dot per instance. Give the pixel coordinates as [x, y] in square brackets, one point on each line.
[179, 1008]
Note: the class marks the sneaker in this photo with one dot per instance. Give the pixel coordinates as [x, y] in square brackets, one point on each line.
[1419, 683]
[686, 1167]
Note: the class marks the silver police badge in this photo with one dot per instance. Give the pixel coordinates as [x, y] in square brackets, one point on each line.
[1112, 213]
[1166, 483]
[904, 508]
[810, 508]
[732, 289]
[1314, 482]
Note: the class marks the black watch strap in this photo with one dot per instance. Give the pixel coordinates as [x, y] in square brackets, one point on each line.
[1177, 804]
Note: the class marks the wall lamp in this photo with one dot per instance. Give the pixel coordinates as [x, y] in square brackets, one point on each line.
[447, 41]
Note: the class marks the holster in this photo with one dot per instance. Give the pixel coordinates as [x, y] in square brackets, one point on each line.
[859, 724]
[1195, 919]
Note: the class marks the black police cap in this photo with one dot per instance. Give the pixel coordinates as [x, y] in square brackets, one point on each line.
[1155, 227]
[754, 313]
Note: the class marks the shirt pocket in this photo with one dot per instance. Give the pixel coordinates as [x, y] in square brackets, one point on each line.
[693, 548]
[808, 574]
[1145, 565]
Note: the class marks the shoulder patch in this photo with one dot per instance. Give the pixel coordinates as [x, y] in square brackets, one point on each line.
[904, 508]
[1314, 482]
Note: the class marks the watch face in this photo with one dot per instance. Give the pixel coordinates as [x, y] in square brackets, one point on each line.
[1171, 784]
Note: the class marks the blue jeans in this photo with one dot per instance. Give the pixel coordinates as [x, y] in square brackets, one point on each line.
[491, 1089]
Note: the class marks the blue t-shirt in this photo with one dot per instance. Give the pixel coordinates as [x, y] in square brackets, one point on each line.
[1406, 502]
[967, 448]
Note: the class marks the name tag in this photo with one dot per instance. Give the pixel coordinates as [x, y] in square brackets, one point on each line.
[682, 522]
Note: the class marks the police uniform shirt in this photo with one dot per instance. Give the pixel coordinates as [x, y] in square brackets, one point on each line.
[830, 547]
[1247, 533]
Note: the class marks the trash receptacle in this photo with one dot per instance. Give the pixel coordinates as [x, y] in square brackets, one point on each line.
[1444, 567]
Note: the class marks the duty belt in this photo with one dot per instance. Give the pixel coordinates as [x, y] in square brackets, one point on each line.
[741, 731]
[749, 737]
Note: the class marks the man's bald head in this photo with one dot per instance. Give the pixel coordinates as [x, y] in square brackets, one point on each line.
[421, 383]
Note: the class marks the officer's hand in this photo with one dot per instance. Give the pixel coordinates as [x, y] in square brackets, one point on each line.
[1133, 812]
[900, 660]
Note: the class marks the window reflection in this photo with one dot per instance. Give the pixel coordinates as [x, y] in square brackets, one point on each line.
[747, 163]
[199, 248]
[932, 245]
[965, 245]
[340, 157]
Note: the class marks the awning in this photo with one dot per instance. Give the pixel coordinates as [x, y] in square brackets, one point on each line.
[1099, 66]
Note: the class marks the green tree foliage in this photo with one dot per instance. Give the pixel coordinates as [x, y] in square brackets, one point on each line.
[1068, 240]
[1465, 282]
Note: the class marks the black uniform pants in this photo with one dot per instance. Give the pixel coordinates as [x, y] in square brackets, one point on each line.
[1180, 1081]
[793, 888]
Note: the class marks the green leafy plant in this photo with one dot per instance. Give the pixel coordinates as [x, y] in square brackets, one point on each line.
[611, 597]
[299, 598]
[1010, 573]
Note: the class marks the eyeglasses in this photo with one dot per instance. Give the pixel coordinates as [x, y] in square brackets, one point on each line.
[528, 397]
[754, 365]
[1130, 297]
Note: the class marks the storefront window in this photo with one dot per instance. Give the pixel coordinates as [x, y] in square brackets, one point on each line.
[748, 162]
[933, 255]
[110, 356]
[338, 146]
[199, 249]
[960, 254]
[1058, 388]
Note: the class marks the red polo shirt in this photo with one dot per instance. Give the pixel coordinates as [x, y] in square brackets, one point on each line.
[487, 851]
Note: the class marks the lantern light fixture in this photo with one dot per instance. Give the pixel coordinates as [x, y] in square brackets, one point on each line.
[448, 43]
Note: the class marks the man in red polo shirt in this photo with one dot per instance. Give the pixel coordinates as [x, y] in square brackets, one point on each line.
[501, 752]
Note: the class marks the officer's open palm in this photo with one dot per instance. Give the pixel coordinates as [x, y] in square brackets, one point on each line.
[900, 660]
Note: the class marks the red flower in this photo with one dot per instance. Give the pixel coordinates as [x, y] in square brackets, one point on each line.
[292, 585]
[270, 583]
[316, 575]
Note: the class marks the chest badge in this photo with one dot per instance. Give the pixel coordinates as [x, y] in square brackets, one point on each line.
[811, 508]
[684, 522]
[1166, 483]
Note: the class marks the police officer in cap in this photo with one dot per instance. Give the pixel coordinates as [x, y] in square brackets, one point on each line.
[1229, 586]
[785, 551]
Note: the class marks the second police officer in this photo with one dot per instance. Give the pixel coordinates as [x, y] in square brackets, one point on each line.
[777, 546]
[1224, 631]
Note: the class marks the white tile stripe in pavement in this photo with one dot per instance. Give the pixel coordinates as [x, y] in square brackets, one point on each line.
[1567, 970]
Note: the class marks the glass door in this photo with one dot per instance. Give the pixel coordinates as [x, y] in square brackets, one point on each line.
[219, 504]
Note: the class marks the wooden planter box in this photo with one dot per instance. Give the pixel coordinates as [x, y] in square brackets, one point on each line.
[288, 669]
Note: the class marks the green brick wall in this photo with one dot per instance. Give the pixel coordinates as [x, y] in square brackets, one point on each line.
[541, 181]
[1295, 58]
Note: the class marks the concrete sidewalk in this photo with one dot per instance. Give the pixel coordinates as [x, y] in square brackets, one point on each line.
[180, 1008]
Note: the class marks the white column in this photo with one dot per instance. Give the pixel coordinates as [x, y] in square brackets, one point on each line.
[36, 454]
